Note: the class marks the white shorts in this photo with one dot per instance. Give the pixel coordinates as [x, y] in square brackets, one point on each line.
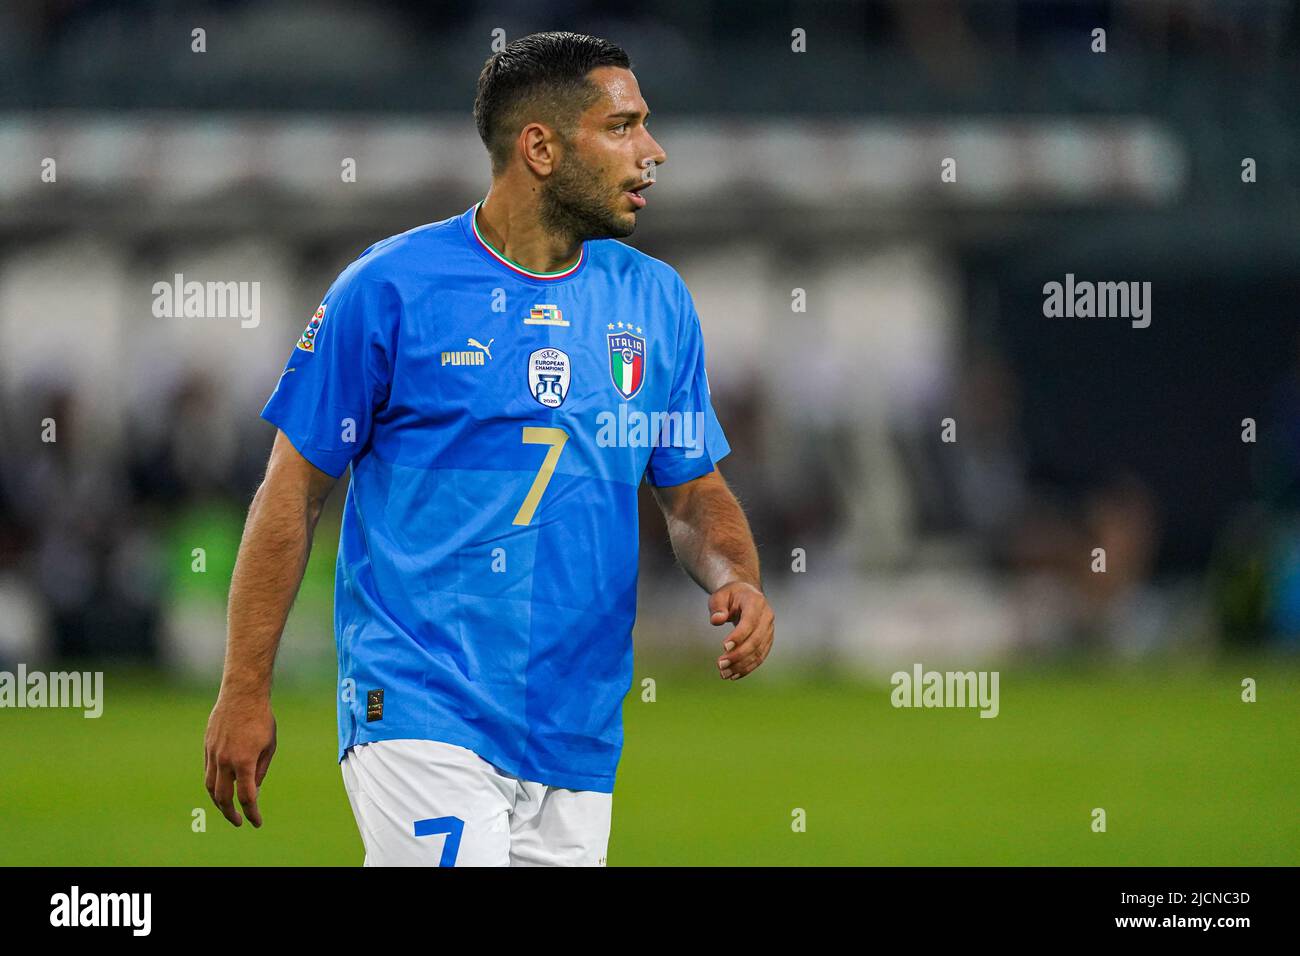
[427, 803]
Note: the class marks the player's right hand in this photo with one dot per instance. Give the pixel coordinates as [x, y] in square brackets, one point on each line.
[237, 752]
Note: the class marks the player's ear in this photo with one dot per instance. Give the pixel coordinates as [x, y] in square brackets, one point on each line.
[538, 145]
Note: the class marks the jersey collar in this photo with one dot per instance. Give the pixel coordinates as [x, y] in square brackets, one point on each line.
[470, 221]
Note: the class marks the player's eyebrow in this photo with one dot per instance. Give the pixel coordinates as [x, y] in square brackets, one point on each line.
[628, 114]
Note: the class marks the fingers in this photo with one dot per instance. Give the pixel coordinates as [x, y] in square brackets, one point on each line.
[248, 795]
[226, 781]
[752, 653]
[264, 764]
[238, 748]
[743, 610]
[749, 643]
[720, 606]
[737, 644]
[223, 794]
[209, 771]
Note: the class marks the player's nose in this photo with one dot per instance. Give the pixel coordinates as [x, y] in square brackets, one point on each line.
[657, 154]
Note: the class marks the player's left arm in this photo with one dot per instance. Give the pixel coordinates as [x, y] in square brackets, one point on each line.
[711, 538]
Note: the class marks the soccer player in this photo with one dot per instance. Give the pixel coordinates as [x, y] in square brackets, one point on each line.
[499, 384]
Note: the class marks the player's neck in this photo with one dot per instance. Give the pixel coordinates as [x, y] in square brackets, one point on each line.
[515, 231]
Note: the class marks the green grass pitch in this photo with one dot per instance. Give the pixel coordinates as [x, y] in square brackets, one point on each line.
[713, 773]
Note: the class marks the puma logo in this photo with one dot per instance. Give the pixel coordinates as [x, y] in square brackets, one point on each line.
[469, 358]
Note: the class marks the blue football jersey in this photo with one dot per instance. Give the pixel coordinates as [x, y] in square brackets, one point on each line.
[497, 423]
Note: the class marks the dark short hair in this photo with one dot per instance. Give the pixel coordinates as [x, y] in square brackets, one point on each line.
[542, 76]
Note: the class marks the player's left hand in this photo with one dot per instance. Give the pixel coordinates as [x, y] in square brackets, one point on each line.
[750, 642]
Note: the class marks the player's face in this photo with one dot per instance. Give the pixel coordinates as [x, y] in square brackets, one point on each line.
[600, 181]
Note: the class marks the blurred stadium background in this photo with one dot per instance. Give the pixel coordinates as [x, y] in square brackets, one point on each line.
[816, 171]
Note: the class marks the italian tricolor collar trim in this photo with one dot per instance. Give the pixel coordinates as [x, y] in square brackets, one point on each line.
[514, 266]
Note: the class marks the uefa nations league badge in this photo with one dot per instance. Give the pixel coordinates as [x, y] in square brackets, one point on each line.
[548, 376]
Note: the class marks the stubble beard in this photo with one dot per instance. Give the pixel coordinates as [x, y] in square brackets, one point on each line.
[573, 204]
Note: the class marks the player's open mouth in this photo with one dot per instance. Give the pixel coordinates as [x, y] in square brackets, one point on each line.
[637, 199]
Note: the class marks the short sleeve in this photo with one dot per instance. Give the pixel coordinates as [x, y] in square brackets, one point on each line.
[339, 372]
[698, 443]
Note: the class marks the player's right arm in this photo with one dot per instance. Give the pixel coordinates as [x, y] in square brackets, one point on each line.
[273, 554]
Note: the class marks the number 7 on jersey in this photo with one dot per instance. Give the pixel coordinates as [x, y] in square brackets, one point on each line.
[537, 435]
